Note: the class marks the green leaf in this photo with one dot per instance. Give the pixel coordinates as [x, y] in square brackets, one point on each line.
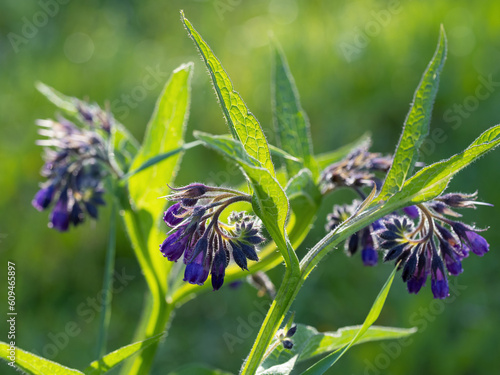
[269, 200]
[242, 123]
[116, 357]
[164, 133]
[324, 364]
[282, 368]
[432, 180]
[197, 369]
[33, 364]
[290, 120]
[328, 158]
[160, 157]
[416, 125]
[309, 343]
[329, 341]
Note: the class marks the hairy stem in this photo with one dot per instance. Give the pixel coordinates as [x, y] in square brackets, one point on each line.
[292, 283]
[107, 284]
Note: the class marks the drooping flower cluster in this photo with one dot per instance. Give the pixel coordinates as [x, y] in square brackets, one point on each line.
[206, 244]
[74, 165]
[433, 246]
[436, 245]
[357, 170]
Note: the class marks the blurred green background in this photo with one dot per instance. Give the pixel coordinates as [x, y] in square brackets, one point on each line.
[356, 65]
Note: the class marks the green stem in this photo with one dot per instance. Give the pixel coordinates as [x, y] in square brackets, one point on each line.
[291, 284]
[280, 306]
[107, 284]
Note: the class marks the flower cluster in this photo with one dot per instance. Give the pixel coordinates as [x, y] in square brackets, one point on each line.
[359, 169]
[437, 244]
[207, 244]
[74, 165]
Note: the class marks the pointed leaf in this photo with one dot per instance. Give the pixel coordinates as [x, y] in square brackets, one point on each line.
[242, 123]
[34, 364]
[324, 364]
[432, 180]
[116, 357]
[197, 369]
[416, 125]
[309, 343]
[164, 133]
[290, 120]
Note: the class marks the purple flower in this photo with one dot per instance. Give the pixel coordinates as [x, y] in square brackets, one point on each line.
[368, 253]
[174, 245]
[59, 218]
[476, 243]
[219, 269]
[439, 283]
[43, 198]
[75, 158]
[171, 215]
[197, 271]
[411, 211]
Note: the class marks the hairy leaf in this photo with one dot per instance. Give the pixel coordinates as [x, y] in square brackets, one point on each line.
[327, 158]
[416, 125]
[324, 364]
[432, 180]
[197, 369]
[242, 123]
[290, 120]
[34, 364]
[309, 343]
[116, 357]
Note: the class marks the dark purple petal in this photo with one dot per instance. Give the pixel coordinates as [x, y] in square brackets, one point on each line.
[477, 243]
[416, 283]
[43, 198]
[368, 253]
[394, 252]
[411, 211]
[170, 216]
[369, 256]
[76, 216]
[377, 225]
[59, 218]
[249, 251]
[410, 266]
[239, 257]
[195, 273]
[174, 245]
[91, 209]
[352, 244]
[218, 269]
[439, 285]
[453, 265]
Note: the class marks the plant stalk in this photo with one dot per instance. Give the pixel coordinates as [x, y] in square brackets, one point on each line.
[107, 284]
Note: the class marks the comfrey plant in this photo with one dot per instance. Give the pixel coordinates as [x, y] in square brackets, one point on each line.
[397, 215]
[76, 162]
